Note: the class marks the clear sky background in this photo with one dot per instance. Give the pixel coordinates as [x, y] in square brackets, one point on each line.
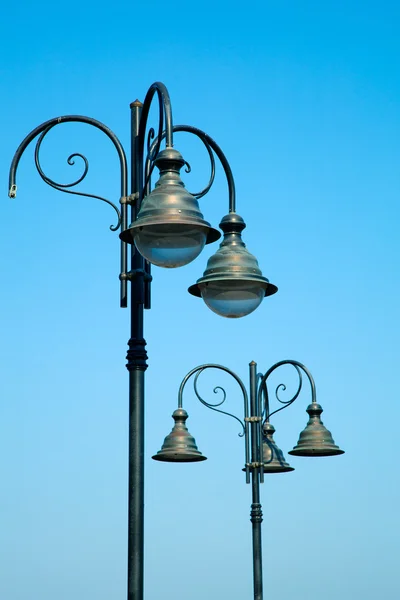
[304, 98]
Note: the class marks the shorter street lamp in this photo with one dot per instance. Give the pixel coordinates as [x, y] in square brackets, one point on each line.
[262, 455]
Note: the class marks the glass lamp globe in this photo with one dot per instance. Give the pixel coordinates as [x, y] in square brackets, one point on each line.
[169, 245]
[232, 299]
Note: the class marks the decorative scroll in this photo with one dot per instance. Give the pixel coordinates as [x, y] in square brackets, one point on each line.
[64, 187]
[213, 406]
[42, 131]
[211, 147]
[263, 390]
[197, 371]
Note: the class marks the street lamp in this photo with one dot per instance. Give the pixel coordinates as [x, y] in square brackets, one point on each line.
[262, 455]
[168, 229]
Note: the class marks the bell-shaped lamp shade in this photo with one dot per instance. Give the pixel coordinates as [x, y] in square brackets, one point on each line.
[273, 458]
[179, 445]
[170, 230]
[232, 285]
[315, 439]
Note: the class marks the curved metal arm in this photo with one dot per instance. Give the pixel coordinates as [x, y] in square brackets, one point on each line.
[63, 187]
[210, 145]
[43, 129]
[199, 370]
[245, 424]
[165, 106]
[165, 110]
[263, 390]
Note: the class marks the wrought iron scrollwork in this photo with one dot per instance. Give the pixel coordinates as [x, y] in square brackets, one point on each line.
[152, 151]
[197, 371]
[213, 406]
[263, 390]
[211, 147]
[42, 131]
[150, 138]
[64, 187]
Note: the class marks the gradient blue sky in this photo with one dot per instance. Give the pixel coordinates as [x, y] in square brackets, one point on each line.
[304, 98]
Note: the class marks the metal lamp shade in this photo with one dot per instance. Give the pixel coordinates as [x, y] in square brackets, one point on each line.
[170, 230]
[232, 285]
[315, 439]
[273, 458]
[179, 445]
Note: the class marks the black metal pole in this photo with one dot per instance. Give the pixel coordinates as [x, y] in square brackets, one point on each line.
[136, 366]
[256, 512]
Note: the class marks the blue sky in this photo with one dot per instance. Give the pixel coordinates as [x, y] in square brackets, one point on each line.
[304, 99]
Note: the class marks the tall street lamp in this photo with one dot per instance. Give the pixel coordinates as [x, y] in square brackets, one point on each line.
[164, 226]
[262, 455]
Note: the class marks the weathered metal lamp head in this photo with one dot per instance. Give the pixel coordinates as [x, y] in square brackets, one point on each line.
[315, 439]
[232, 285]
[179, 445]
[170, 230]
[273, 458]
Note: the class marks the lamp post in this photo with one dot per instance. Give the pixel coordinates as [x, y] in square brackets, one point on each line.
[262, 455]
[167, 229]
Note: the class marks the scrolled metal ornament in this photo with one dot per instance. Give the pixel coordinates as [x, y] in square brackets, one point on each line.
[179, 445]
[211, 147]
[203, 137]
[263, 389]
[214, 406]
[315, 439]
[64, 187]
[42, 131]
